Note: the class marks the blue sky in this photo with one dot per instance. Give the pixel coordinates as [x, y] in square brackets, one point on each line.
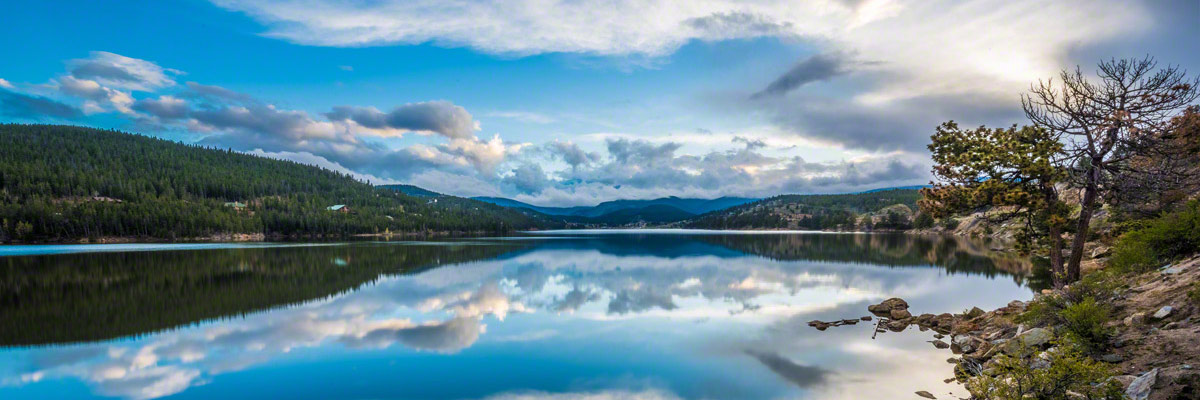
[567, 103]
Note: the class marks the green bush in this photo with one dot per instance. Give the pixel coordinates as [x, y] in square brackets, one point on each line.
[1070, 375]
[922, 221]
[1159, 240]
[1194, 293]
[1083, 323]
[950, 223]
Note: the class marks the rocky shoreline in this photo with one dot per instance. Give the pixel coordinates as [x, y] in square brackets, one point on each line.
[1153, 347]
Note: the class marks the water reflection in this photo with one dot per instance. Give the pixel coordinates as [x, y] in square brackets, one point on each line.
[643, 316]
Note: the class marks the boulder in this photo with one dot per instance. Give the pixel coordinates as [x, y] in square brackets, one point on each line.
[1136, 319]
[964, 343]
[866, 318]
[939, 344]
[975, 312]
[1036, 337]
[899, 314]
[1139, 389]
[886, 307]
[897, 325]
[1163, 312]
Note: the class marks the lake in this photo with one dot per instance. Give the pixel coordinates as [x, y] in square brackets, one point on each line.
[579, 315]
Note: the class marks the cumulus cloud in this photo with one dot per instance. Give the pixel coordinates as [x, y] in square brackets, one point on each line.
[570, 153]
[528, 178]
[441, 117]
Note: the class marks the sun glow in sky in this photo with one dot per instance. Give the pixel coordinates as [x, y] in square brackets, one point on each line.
[565, 102]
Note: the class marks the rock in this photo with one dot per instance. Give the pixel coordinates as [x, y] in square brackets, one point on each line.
[974, 313]
[849, 322]
[866, 318]
[1136, 319]
[1186, 366]
[1139, 389]
[964, 343]
[886, 307]
[1017, 304]
[1112, 358]
[926, 394]
[897, 325]
[1124, 380]
[1169, 270]
[899, 314]
[1163, 312]
[939, 344]
[1035, 337]
[938, 336]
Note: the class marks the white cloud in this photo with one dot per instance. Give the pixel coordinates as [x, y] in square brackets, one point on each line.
[5, 84]
[121, 72]
[991, 47]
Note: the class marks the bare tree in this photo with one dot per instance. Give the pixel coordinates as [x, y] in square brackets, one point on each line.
[1105, 124]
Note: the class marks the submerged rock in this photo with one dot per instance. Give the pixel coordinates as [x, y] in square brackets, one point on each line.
[939, 344]
[926, 395]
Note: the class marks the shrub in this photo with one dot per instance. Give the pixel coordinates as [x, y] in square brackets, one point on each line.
[1159, 240]
[922, 221]
[1083, 323]
[950, 223]
[1194, 293]
[1070, 375]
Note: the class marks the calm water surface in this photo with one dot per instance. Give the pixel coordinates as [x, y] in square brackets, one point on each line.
[571, 315]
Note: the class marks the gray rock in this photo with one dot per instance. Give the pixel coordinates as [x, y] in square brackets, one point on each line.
[1163, 312]
[926, 395]
[1036, 337]
[1172, 270]
[1139, 389]
[939, 344]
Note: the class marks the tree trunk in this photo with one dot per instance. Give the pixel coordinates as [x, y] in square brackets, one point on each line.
[1056, 258]
[1085, 221]
[1056, 241]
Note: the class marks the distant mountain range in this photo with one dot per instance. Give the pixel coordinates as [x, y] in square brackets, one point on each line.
[795, 211]
[626, 212]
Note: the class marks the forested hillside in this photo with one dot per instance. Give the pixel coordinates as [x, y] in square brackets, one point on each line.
[879, 209]
[62, 183]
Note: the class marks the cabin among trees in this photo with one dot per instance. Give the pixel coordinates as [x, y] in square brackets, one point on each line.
[341, 208]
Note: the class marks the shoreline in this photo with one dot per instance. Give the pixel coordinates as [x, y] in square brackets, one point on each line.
[260, 237]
